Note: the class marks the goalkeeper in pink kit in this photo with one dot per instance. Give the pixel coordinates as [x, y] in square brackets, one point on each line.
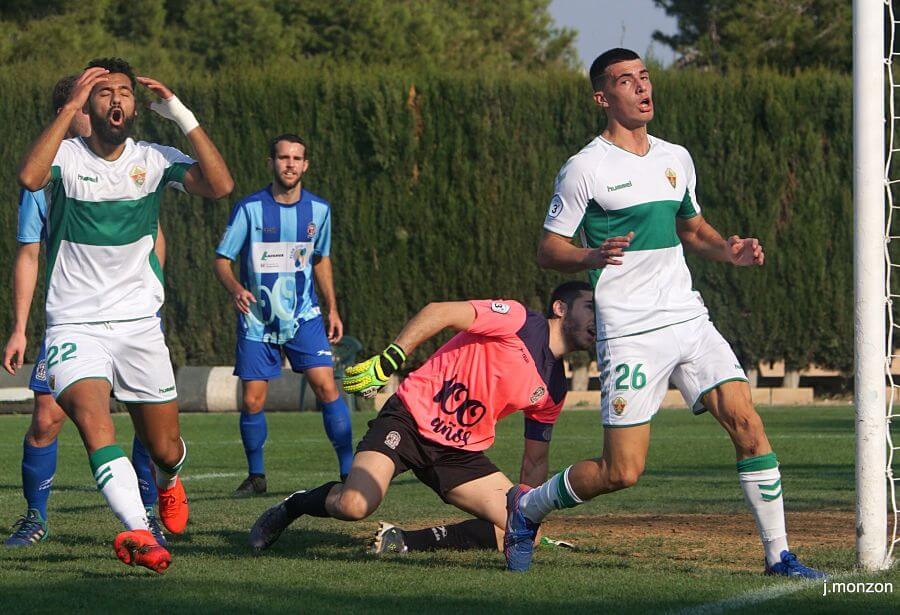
[504, 359]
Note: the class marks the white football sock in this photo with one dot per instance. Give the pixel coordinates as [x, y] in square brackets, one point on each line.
[118, 483]
[761, 482]
[554, 494]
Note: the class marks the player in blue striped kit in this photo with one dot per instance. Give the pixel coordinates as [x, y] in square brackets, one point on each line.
[282, 234]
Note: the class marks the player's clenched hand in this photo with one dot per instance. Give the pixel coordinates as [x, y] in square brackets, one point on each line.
[368, 377]
[14, 353]
[81, 91]
[609, 253]
[745, 252]
[242, 300]
[335, 327]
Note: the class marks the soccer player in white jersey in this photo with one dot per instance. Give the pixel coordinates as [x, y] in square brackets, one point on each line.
[104, 285]
[633, 197]
[39, 446]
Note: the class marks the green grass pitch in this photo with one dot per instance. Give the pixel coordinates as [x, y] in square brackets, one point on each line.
[679, 541]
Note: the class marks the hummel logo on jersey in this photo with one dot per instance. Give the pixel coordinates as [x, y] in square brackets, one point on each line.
[618, 186]
[86, 178]
[166, 390]
[323, 353]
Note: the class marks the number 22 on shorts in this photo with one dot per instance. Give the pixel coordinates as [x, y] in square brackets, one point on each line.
[623, 371]
[65, 351]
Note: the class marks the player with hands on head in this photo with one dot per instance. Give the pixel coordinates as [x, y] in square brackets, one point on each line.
[105, 289]
[39, 448]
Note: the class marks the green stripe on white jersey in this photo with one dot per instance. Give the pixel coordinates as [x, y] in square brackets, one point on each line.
[604, 191]
[101, 229]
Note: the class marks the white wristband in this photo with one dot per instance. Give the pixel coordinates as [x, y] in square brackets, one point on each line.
[173, 109]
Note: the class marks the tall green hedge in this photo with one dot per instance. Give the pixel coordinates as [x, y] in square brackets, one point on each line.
[440, 183]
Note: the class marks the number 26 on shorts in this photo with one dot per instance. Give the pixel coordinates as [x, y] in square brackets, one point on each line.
[65, 352]
[637, 378]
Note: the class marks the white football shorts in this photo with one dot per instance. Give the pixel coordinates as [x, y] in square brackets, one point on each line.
[635, 370]
[132, 355]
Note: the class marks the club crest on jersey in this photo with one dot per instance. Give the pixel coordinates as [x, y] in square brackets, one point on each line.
[619, 405]
[538, 393]
[500, 308]
[137, 175]
[672, 177]
[392, 440]
[310, 230]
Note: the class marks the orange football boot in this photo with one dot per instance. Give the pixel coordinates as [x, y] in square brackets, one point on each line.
[139, 548]
[173, 507]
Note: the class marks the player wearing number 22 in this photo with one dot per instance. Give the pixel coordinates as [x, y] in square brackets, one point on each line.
[282, 235]
[105, 285]
[633, 197]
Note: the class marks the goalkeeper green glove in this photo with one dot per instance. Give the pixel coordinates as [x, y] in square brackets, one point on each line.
[368, 377]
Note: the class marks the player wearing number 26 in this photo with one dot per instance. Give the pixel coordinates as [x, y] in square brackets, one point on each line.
[634, 199]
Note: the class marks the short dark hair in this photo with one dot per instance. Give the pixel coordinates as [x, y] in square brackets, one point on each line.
[62, 90]
[567, 292]
[605, 60]
[290, 138]
[115, 65]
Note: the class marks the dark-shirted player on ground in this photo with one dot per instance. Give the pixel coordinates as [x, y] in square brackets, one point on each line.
[441, 420]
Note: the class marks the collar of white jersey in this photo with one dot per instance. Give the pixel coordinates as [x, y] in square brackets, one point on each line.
[129, 145]
[650, 139]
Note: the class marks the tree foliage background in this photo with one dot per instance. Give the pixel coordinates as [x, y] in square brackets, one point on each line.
[172, 35]
[435, 129]
[782, 34]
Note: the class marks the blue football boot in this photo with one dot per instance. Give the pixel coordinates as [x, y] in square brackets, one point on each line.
[790, 566]
[518, 541]
[28, 529]
[156, 528]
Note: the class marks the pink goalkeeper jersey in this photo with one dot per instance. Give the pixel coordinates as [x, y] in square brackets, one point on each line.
[502, 363]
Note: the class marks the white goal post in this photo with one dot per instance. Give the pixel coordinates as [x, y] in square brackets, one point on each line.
[871, 278]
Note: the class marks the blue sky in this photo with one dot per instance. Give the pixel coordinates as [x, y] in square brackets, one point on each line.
[602, 24]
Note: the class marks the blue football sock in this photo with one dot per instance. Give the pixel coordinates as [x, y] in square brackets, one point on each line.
[336, 417]
[253, 434]
[38, 468]
[140, 459]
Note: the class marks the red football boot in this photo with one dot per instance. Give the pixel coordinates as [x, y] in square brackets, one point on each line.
[139, 548]
[173, 507]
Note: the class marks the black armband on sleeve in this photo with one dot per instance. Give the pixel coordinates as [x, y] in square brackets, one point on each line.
[535, 430]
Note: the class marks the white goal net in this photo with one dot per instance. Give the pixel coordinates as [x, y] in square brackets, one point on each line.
[892, 275]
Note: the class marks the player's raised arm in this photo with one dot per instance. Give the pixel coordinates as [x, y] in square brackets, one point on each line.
[368, 377]
[35, 169]
[210, 178]
[699, 236]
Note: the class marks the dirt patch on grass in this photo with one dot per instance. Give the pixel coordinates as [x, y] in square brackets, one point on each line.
[727, 540]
